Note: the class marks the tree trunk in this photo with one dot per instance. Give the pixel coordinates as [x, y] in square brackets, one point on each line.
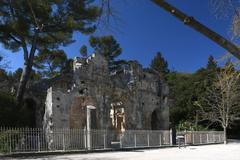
[28, 63]
[225, 134]
[23, 82]
[190, 21]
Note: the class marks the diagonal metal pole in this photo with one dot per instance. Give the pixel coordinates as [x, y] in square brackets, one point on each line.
[196, 25]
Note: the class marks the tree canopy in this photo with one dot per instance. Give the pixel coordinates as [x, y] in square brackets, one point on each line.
[107, 46]
[186, 89]
[221, 102]
[83, 51]
[159, 64]
[35, 25]
[50, 63]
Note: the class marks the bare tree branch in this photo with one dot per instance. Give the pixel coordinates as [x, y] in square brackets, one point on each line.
[222, 101]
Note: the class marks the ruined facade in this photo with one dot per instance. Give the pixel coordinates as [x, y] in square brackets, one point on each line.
[129, 97]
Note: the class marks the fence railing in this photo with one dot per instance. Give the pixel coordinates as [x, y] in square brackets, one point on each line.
[17, 140]
[202, 137]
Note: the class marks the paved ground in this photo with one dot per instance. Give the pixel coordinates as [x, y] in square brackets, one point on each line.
[210, 152]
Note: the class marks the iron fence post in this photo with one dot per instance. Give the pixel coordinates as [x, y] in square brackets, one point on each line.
[135, 140]
[104, 140]
[85, 139]
[148, 139]
[185, 138]
[200, 138]
[160, 139]
[171, 140]
[207, 139]
[38, 141]
[120, 140]
[193, 141]
[63, 139]
[10, 141]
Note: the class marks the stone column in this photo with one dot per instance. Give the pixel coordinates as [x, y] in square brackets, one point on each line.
[89, 108]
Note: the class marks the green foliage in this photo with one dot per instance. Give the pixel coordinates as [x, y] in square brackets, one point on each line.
[50, 62]
[53, 21]
[4, 64]
[8, 114]
[160, 65]
[3, 75]
[106, 46]
[212, 64]
[1, 59]
[4, 144]
[10, 80]
[221, 102]
[83, 51]
[13, 115]
[189, 126]
[181, 93]
[186, 89]
[38, 25]
[68, 67]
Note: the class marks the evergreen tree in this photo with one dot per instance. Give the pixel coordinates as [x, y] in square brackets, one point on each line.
[33, 25]
[186, 89]
[181, 92]
[50, 63]
[68, 67]
[83, 51]
[107, 46]
[3, 62]
[160, 65]
[212, 64]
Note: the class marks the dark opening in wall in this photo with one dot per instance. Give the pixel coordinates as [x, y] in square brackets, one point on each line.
[82, 82]
[58, 106]
[154, 120]
[81, 91]
[58, 98]
[28, 113]
[143, 103]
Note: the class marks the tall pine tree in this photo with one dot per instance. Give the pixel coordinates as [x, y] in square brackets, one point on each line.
[160, 65]
[50, 63]
[106, 46]
[212, 64]
[33, 25]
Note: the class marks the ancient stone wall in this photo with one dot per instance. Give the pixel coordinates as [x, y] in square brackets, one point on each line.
[141, 94]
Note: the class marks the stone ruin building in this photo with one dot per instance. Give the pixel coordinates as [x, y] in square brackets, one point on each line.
[129, 97]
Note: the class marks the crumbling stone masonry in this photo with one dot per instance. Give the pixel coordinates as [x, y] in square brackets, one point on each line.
[128, 98]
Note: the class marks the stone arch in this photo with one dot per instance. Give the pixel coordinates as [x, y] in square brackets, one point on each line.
[160, 119]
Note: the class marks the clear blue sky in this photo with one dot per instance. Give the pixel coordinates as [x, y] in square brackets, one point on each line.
[145, 29]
